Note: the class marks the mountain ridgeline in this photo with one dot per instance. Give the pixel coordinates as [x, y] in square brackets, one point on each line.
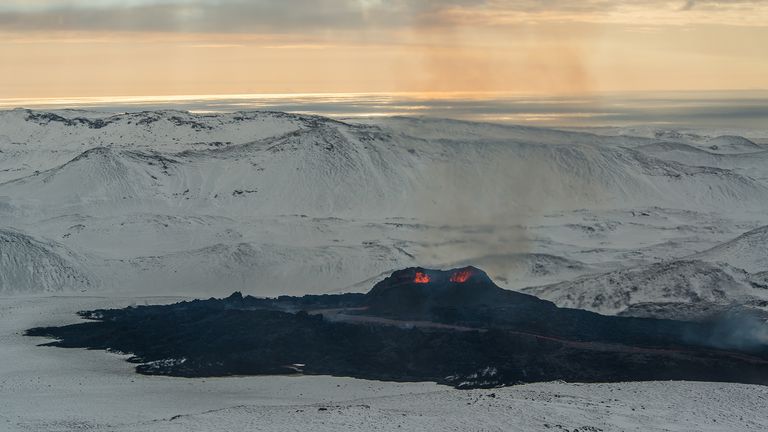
[277, 163]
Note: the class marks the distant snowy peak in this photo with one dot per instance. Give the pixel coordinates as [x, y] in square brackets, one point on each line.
[347, 168]
[295, 164]
[722, 144]
[753, 164]
[469, 131]
[163, 130]
[733, 144]
[665, 147]
[30, 266]
[34, 141]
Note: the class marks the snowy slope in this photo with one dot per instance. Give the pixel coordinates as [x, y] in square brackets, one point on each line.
[97, 176]
[329, 170]
[717, 140]
[728, 274]
[40, 140]
[653, 406]
[748, 251]
[172, 130]
[518, 270]
[754, 164]
[31, 266]
[267, 269]
[731, 144]
[683, 281]
[467, 131]
[335, 169]
[724, 144]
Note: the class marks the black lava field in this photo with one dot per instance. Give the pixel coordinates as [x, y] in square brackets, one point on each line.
[452, 327]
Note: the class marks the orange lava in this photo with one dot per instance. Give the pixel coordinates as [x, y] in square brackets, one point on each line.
[421, 278]
[461, 276]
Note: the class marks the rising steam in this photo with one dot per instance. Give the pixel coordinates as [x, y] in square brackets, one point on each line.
[737, 329]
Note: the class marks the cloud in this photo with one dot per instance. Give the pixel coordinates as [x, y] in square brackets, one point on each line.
[690, 4]
[215, 15]
[341, 15]
[721, 4]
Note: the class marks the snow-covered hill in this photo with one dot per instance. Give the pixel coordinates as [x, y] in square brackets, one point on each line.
[40, 140]
[724, 144]
[731, 273]
[715, 140]
[100, 175]
[267, 269]
[683, 281]
[266, 202]
[748, 251]
[31, 266]
[518, 270]
[753, 165]
[333, 169]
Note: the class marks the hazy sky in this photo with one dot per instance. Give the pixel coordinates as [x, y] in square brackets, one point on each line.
[57, 48]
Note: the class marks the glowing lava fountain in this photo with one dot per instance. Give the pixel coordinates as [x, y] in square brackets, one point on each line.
[421, 278]
[461, 276]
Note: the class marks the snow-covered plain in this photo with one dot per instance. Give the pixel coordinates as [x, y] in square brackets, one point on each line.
[100, 210]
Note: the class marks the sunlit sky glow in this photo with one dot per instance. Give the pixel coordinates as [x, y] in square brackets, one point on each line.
[104, 48]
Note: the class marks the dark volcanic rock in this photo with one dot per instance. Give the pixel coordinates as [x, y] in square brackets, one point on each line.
[454, 327]
[467, 287]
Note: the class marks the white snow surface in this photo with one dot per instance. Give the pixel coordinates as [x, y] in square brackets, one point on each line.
[31, 266]
[748, 251]
[679, 281]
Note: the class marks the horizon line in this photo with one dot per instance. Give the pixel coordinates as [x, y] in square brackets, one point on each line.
[127, 99]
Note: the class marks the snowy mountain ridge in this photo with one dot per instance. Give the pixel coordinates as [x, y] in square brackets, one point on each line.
[171, 202]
